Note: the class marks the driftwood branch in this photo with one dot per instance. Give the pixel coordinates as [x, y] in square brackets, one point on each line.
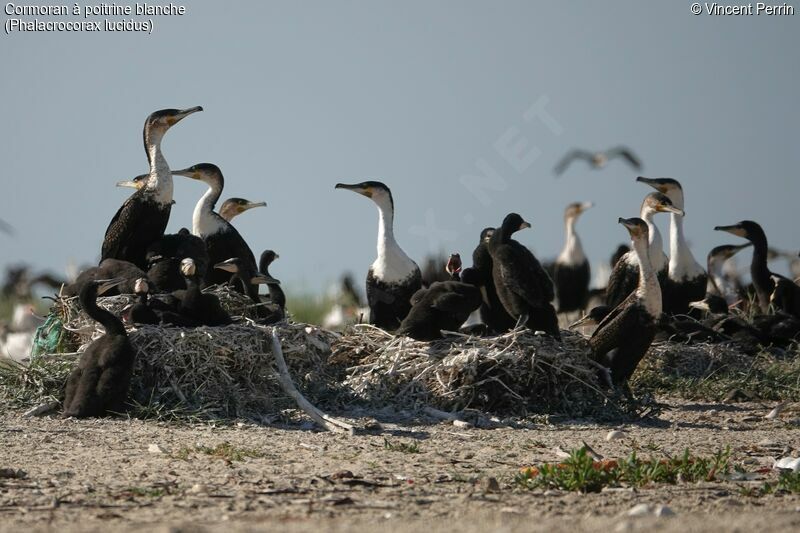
[285, 379]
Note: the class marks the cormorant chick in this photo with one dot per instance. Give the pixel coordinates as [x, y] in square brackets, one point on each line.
[100, 382]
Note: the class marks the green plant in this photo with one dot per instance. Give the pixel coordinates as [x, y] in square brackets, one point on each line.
[580, 473]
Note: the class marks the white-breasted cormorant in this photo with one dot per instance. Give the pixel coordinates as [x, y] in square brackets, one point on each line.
[623, 337]
[625, 275]
[686, 279]
[393, 277]
[598, 159]
[571, 272]
[445, 305]
[196, 305]
[143, 217]
[523, 286]
[233, 207]
[221, 238]
[492, 312]
[100, 382]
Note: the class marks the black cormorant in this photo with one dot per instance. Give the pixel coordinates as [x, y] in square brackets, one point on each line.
[126, 272]
[233, 207]
[623, 337]
[221, 238]
[759, 271]
[100, 382]
[165, 255]
[196, 305]
[598, 159]
[719, 293]
[523, 286]
[276, 294]
[625, 275]
[143, 217]
[492, 312]
[686, 279]
[571, 272]
[445, 305]
[393, 277]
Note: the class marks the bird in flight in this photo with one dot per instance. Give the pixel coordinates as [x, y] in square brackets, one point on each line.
[598, 159]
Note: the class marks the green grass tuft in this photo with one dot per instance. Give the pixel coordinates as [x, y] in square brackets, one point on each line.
[402, 447]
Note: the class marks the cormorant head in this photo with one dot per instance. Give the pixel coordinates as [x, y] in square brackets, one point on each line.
[486, 234]
[660, 203]
[746, 229]
[378, 191]
[453, 264]
[636, 227]
[512, 223]
[267, 257]
[188, 267]
[136, 183]
[575, 209]
[160, 121]
[140, 286]
[471, 276]
[725, 252]
[206, 172]
[236, 206]
[667, 186]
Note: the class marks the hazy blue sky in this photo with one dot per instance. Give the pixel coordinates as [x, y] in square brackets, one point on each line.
[301, 95]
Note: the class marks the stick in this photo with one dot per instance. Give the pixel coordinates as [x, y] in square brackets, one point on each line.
[324, 420]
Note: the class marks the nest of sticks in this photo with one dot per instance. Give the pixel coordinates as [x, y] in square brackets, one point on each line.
[209, 372]
[516, 373]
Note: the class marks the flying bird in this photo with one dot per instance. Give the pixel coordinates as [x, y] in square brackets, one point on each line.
[598, 159]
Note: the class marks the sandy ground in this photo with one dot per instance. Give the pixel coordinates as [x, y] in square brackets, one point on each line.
[120, 474]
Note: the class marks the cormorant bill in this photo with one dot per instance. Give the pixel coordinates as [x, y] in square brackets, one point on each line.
[127, 272]
[492, 312]
[164, 258]
[623, 337]
[393, 277]
[523, 286]
[221, 238]
[625, 275]
[571, 272]
[276, 294]
[233, 207]
[686, 280]
[759, 271]
[143, 217]
[598, 159]
[445, 305]
[99, 384]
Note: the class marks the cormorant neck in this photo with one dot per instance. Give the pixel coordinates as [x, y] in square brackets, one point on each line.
[649, 290]
[572, 253]
[759, 271]
[110, 323]
[682, 263]
[656, 252]
[160, 181]
[204, 220]
[392, 263]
